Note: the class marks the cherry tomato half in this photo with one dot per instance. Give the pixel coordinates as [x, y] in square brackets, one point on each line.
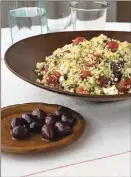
[78, 40]
[57, 74]
[91, 59]
[128, 81]
[85, 74]
[101, 80]
[123, 86]
[81, 90]
[113, 45]
[51, 80]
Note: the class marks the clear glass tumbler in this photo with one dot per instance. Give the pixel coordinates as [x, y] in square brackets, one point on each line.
[58, 15]
[88, 15]
[26, 18]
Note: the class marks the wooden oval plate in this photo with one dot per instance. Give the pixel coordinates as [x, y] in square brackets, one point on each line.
[34, 143]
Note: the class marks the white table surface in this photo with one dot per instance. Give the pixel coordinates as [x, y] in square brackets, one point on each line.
[104, 148]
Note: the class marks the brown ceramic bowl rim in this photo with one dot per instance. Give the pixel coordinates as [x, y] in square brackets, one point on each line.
[126, 95]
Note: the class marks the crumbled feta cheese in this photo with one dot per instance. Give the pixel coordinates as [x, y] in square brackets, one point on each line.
[111, 90]
[61, 79]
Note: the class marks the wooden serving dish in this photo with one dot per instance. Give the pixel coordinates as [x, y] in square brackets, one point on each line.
[35, 142]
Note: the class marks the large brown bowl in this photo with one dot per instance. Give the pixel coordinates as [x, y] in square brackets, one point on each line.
[21, 58]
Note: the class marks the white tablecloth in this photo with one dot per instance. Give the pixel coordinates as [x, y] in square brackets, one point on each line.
[104, 148]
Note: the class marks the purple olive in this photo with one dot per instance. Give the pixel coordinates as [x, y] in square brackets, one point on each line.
[39, 113]
[29, 118]
[68, 118]
[51, 119]
[35, 127]
[63, 129]
[48, 132]
[19, 122]
[20, 132]
[61, 110]
[116, 69]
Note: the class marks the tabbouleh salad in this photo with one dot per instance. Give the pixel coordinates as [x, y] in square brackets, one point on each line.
[100, 66]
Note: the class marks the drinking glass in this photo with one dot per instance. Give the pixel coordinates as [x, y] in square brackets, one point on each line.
[58, 16]
[26, 18]
[88, 15]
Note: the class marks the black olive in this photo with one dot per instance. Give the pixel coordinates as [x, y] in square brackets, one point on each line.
[20, 132]
[29, 118]
[35, 127]
[62, 129]
[68, 118]
[116, 69]
[117, 75]
[51, 119]
[65, 77]
[39, 113]
[48, 132]
[61, 110]
[19, 122]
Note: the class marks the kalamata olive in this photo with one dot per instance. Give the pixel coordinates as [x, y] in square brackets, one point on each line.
[117, 75]
[61, 110]
[29, 118]
[116, 69]
[35, 127]
[19, 122]
[48, 132]
[39, 113]
[51, 119]
[62, 128]
[20, 132]
[68, 118]
[57, 117]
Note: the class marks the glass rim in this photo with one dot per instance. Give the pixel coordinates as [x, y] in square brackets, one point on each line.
[96, 9]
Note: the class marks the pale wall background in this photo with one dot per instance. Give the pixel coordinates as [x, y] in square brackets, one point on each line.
[111, 14]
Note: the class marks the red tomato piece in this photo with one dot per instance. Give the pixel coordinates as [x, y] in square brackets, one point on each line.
[51, 80]
[113, 45]
[101, 80]
[81, 90]
[122, 86]
[78, 40]
[57, 74]
[85, 74]
[91, 59]
[128, 81]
